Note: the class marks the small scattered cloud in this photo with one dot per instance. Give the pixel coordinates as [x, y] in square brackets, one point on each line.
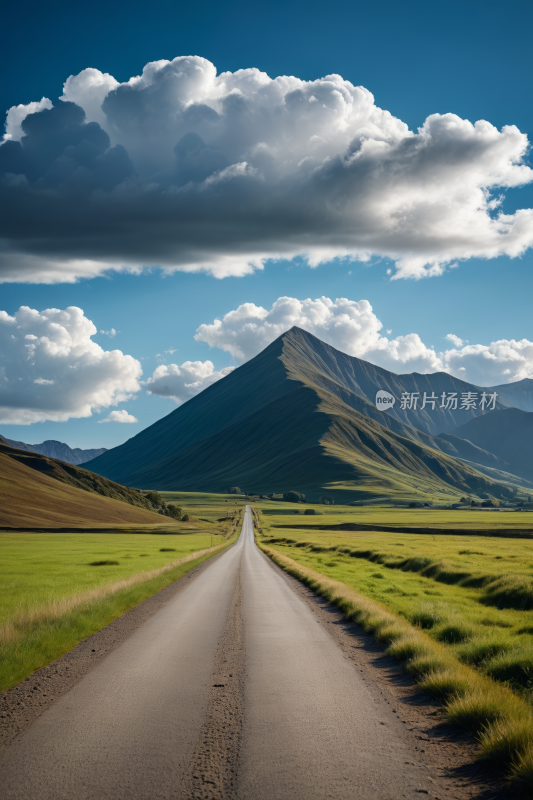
[119, 416]
[181, 382]
[455, 340]
[111, 333]
[43, 382]
[170, 352]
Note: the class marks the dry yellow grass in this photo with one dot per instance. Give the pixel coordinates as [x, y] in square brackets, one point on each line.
[31, 499]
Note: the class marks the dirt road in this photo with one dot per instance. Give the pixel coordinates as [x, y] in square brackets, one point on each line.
[234, 689]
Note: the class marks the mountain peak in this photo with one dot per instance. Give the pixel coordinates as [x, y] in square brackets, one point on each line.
[300, 415]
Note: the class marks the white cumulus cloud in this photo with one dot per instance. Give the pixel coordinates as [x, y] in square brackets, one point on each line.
[455, 340]
[348, 325]
[353, 327]
[119, 416]
[189, 170]
[17, 114]
[51, 369]
[89, 89]
[503, 361]
[182, 382]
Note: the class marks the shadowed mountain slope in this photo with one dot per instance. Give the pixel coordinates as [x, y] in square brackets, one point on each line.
[508, 434]
[38, 491]
[519, 393]
[229, 401]
[55, 449]
[291, 418]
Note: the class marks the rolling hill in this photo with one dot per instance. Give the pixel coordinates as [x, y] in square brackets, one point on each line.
[55, 449]
[299, 416]
[40, 492]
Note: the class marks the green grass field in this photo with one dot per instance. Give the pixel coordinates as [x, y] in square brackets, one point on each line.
[458, 609]
[58, 588]
[473, 594]
[38, 568]
[204, 507]
[396, 517]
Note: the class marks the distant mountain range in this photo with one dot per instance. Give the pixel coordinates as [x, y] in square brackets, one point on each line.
[58, 450]
[302, 416]
[519, 393]
[508, 434]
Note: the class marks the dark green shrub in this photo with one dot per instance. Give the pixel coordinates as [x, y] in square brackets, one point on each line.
[154, 498]
[294, 497]
[176, 512]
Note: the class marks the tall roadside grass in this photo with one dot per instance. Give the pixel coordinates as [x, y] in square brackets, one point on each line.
[500, 719]
[40, 634]
[513, 590]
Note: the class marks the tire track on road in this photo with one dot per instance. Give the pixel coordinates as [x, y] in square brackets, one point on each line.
[215, 762]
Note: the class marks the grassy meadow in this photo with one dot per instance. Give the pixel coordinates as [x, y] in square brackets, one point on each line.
[204, 507]
[56, 589]
[457, 609]
[385, 516]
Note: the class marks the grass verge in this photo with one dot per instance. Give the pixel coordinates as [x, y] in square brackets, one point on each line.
[37, 636]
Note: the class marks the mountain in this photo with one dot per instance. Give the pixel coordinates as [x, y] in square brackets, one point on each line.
[519, 393]
[40, 492]
[298, 416]
[59, 450]
[508, 434]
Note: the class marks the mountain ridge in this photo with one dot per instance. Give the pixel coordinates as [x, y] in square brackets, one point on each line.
[290, 418]
[54, 449]
[518, 393]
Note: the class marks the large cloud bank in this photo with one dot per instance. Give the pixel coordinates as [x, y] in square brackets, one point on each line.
[186, 169]
[50, 369]
[354, 328]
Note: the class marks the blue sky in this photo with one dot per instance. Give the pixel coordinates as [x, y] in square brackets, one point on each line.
[471, 59]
